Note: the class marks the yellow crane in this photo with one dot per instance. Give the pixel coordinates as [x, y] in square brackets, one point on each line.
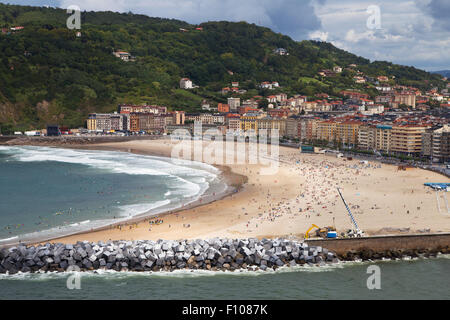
[309, 230]
[321, 232]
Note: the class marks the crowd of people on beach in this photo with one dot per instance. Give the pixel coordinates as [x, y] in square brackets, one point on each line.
[317, 191]
[316, 195]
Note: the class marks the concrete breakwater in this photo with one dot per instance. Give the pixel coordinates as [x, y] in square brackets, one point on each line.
[387, 246]
[163, 255]
[71, 140]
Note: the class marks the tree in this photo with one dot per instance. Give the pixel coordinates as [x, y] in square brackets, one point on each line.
[263, 104]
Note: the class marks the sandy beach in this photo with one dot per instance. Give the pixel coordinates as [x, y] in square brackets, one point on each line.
[302, 192]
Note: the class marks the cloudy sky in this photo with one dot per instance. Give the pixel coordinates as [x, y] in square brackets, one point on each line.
[409, 32]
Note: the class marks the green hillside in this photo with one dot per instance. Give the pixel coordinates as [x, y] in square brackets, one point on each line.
[48, 75]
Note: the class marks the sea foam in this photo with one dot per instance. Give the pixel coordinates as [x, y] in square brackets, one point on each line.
[186, 180]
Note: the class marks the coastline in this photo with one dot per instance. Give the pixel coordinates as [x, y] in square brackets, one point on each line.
[230, 182]
[234, 215]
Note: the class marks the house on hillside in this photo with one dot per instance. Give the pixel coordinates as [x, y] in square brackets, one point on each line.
[125, 56]
[272, 99]
[18, 28]
[359, 79]
[327, 73]
[269, 85]
[186, 83]
[384, 88]
[207, 106]
[281, 52]
[226, 90]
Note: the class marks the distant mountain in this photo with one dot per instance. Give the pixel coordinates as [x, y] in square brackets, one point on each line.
[444, 73]
[48, 74]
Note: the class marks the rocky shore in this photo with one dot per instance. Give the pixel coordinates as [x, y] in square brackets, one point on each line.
[212, 254]
[164, 255]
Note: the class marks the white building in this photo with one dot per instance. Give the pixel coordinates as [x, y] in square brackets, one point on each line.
[269, 85]
[125, 56]
[186, 83]
[234, 103]
[384, 88]
[370, 110]
[281, 52]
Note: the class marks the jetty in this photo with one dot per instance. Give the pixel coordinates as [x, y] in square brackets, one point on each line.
[386, 246]
[164, 255]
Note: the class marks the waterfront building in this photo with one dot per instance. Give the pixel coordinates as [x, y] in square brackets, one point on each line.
[436, 143]
[407, 139]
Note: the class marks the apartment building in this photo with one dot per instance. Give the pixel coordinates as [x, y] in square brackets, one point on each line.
[441, 144]
[178, 117]
[106, 122]
[127, 109]
[309, 106]
[404, 98]
[293, 127]
[407, 139]
[204, 118]
[366, 137]
[271, 124]
[278, 113]
[152, 123]
[249, 122]
[383, 137]
[375, 137]
[326, 130]
[133, 122]
[118, 122]
[218, 118]
[308, 129]
[234, 103]
[436, 143]
[98, 121]
[233, 122]
[223, 108]
[341, 131]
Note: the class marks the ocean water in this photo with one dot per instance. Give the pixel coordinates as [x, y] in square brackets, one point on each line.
[414, 279]
[47, 192]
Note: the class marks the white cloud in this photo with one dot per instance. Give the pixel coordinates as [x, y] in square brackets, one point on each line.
[318, 35]
[413, 32]
[290, 17]
[352, 36]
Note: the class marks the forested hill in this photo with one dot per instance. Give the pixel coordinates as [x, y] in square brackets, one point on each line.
[444, 73]
[49, 75]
